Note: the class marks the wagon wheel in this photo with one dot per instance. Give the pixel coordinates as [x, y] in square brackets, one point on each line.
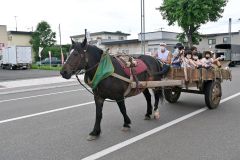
[213, 94]
[172, 94]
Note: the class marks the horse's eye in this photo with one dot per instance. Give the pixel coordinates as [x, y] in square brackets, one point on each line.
[75, 53]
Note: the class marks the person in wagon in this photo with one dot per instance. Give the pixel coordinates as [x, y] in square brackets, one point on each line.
[164, 55]
[196, 59]
[208, 61]
[188, 60]
[176, 56]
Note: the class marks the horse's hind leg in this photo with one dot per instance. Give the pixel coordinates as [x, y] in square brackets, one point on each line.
[157, 96]
[147, 95]
[97, 128]
[127, 121]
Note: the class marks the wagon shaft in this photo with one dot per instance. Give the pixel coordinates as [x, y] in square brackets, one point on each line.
[154, 84]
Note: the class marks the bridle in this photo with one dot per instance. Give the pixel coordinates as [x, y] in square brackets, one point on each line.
[84, 56]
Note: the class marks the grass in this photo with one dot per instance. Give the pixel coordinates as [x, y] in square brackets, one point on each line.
[46, 67]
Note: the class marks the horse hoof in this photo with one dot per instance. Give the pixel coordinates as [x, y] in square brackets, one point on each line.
[125, 129]
[147, 118]
[92, 138]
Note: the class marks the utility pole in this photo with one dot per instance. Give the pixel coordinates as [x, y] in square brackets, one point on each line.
[16, 21]
[60, 37]
[230, 30]
[142, 27]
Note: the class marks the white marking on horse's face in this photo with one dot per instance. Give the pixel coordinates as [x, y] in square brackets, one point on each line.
[70, 54]
[71, 51]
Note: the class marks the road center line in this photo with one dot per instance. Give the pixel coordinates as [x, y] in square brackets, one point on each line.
[151, 132]
[21, 98]
[45, 112]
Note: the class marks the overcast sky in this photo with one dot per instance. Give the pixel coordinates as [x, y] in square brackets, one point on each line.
[99, 15]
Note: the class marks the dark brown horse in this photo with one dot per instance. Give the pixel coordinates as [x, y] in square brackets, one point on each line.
[87, 57]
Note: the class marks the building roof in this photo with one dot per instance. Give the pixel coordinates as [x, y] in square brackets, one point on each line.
[161, 31]
[121, 42]
[20, 32]
[218, 34]
[103, 32]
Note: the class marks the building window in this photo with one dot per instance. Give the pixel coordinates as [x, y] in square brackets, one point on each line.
[150, 49]
[211, 41]
[225, 39]
[126, 51]
[109, 37]
[121, 38]
[98, 38]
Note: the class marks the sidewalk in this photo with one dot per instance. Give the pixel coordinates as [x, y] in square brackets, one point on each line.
[36, 81]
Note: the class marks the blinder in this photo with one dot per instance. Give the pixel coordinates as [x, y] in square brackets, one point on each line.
[84, 56]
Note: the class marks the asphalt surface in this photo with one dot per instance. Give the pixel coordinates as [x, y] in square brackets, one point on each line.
[61, 134]
[7, 75]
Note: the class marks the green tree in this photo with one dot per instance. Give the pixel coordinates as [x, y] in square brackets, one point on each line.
[190, 15]
[43, 36]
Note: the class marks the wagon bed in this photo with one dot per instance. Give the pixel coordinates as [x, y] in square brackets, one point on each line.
[198, 81]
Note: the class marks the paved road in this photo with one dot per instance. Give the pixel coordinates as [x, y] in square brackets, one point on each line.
[6, 75]
[54, 123]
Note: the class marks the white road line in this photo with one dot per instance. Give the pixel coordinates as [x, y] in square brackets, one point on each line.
[34, 89]
[15, 99]
[151, 132]
[45, 112]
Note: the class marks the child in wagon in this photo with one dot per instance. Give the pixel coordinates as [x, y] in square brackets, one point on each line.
[196, 59]
[188, 60]
[208, 61]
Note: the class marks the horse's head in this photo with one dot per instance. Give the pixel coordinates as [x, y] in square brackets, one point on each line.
[76, 61]
[81, 57]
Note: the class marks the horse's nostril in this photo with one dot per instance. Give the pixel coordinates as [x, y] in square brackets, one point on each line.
[63, 72]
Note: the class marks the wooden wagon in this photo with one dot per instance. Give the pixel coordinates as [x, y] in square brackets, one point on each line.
[198, 81]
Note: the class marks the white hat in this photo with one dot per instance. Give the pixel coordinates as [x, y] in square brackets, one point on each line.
[163, 44]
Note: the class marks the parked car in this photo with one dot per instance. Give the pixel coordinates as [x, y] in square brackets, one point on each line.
[54, 61]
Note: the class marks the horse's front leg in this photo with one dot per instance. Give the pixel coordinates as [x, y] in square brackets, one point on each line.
[127, 121]
[97, 127]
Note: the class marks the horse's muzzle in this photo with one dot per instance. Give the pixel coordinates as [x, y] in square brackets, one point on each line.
[65, 74]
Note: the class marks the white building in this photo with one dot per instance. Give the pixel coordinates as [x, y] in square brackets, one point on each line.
[210, 40]
[152, 41]
[99, 37]
[3, 38]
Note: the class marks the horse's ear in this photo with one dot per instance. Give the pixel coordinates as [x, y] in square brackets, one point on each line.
[73, 42]
[84, 42]
[85, 39]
